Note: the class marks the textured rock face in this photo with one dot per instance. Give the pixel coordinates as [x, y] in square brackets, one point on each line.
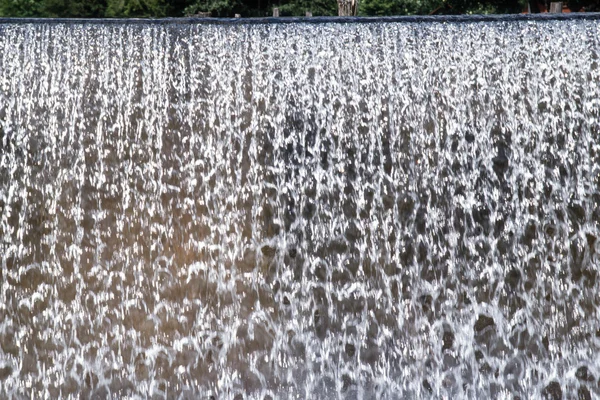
[394, 210]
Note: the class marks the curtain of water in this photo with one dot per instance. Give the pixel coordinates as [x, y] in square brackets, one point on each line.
[394, 210]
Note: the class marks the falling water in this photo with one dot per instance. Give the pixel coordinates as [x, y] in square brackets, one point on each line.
[300, 211]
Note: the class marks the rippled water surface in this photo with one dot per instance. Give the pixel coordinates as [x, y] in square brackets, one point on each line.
[355, 211]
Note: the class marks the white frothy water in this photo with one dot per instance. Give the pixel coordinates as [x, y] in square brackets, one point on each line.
[356, 211]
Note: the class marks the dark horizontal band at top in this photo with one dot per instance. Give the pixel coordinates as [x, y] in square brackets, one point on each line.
[308, 20]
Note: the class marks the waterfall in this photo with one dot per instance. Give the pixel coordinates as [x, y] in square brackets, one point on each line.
[360, 210]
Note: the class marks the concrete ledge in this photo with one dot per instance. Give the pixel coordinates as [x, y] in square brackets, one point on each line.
[309, 20]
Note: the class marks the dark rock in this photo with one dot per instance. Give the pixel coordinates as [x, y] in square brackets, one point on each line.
[321, 273]
[483, 322]
[590, 276]
[564, 174]
[321, 320]
[447, 340]
[449, 361]
[421, 220]
[293, 252]
[289, 217]
[454, 146]
[469, 137]
[407, 253]
[352, 266]
[5, 372]
[91, 380]
[583, 394]
[406, 206]
[596, 215]
[459, 222]
[68, 293]
[350, 349]
[337, 247]
[478, 355]
[391, 269]
[311, 188]
[426, 303]
[309, 210]
[485, 369]
[29, 365]
[430, 271]
[346, 382]
[512, 279]
[500, 163]
[546, 343]
[481, 214]
[268, 251]
[351, 172]
[530, 234]
[427, 386]
[456, 166]
[459, 190]
[387, 201]
[591, 240]
[370, 354]
[349, 208]
[583, 374]
[422, 253]
[577, 213]
[550, 230]
[352, 232]
[552, 392]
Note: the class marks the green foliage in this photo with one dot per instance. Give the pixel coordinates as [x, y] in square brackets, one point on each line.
[487, 6]
[424, 7]
[73, 8]
[260, 8]
[317, 8]
[397, 7]
[136, 8]
[52, 8]
[92, 8]
[21, 8]
[217, 8]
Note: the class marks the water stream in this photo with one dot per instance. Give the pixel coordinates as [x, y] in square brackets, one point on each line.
[300, 211]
